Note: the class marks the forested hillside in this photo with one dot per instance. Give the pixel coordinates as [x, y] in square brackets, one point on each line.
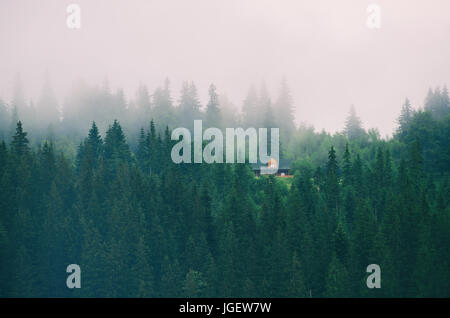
[141, 226]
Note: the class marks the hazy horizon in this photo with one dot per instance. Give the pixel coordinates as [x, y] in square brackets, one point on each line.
[328, 55]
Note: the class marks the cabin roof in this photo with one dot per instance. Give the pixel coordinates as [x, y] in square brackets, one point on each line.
[283, 164]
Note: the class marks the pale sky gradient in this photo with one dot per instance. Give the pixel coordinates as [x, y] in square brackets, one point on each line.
[324, 49]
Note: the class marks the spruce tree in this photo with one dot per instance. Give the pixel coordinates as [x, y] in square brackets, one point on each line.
[20, 141]
[353, 126]
[404, 119]
[332, 181]
[213, 117]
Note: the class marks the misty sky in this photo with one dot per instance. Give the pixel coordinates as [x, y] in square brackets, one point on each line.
[324, 49]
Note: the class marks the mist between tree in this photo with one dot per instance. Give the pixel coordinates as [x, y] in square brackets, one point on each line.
[86, 103]
[139, 224]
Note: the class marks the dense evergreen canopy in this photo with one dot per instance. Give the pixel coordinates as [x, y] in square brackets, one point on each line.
[140, 225]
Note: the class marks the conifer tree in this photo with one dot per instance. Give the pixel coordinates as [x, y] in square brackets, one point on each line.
[332, 182]
[337, 279]
[353, 126]
[284, 112]
[213, 117]
[95, 141]
[20, 141]
[404, 119]
[249, 108]
[347, 167]
[297, 286]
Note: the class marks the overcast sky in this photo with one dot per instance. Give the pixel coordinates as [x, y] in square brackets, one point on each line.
[328, 55]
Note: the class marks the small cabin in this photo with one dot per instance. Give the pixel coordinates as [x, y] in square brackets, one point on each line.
[284, 167]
